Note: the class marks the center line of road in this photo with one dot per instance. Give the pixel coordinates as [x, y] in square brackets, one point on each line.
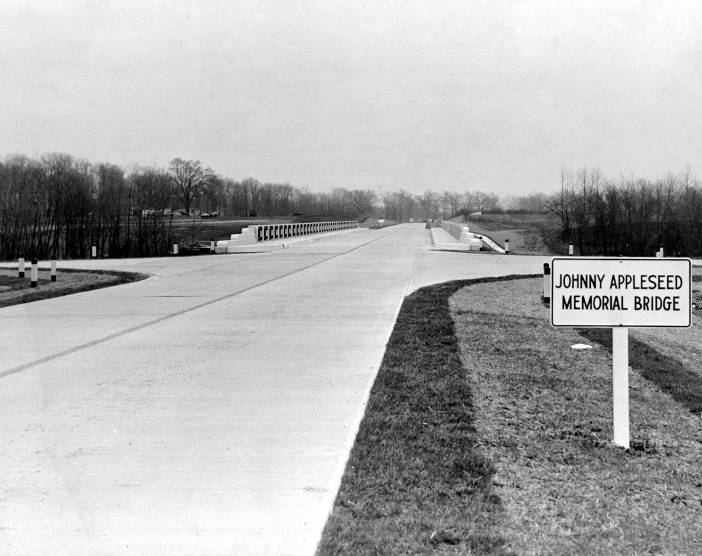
[91, 343]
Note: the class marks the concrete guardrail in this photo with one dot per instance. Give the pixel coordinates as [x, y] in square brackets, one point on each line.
[461, 233]
[261, 233]
[475, 241]
[493, 245]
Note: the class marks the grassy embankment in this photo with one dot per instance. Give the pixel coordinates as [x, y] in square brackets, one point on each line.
[486, 433]
[527, 233]
[14, 290]
[188, 230]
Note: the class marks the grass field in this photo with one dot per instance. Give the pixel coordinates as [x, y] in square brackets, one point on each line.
[486, 433]
[194, 230]
[415, 480]
[14, 290]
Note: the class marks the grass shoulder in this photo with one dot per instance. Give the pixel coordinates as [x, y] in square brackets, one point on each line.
[416, 478]
[486, 433]
[15, 290]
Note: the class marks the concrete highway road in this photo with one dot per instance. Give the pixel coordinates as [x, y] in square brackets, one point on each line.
[209, 409]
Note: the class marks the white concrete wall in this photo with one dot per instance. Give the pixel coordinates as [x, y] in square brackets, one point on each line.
[492, 245]
[463, 235]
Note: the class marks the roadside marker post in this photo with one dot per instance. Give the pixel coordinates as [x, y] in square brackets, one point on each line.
[621, 293]
[53, 269]
[506, 246]
[93, 252]
[570, 249]
[34, 273]
[212, 246]
[547, 283]
[20, 267]
[175, 248]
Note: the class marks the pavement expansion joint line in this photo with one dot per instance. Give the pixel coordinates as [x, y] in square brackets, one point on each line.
[172, 296]
[74, 349]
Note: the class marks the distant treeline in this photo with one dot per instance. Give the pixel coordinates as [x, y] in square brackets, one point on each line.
[401, 205]
[60, 206]
[632, 217]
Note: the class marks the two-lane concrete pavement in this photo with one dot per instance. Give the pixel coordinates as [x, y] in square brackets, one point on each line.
[209, 409]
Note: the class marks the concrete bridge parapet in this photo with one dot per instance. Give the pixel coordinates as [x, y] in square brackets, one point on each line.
[473, 241]
[274, 235]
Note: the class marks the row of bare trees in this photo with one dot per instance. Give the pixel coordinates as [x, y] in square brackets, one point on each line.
[60, 206]
[250, 197]
[630, 217]
[401, 205]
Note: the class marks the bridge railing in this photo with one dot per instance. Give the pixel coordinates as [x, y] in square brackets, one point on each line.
[261, 233]
[267, 232]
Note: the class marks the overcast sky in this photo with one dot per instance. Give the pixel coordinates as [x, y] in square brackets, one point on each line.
[492, 95]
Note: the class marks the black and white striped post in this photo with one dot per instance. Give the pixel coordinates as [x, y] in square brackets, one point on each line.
[547, 284]
[53, 269]
[212, 246]
[34, 273]
[20, 267]
[506, 246]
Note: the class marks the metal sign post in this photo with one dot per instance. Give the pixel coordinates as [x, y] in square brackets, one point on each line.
[620, 386]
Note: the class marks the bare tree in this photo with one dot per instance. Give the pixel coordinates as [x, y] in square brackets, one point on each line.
[252, 187]
[189, 177]
[213, 194]
[363, 200]
[391, 205]
[430, 203]
[450, 203]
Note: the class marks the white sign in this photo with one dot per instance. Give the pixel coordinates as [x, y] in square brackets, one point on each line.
[608, 292]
